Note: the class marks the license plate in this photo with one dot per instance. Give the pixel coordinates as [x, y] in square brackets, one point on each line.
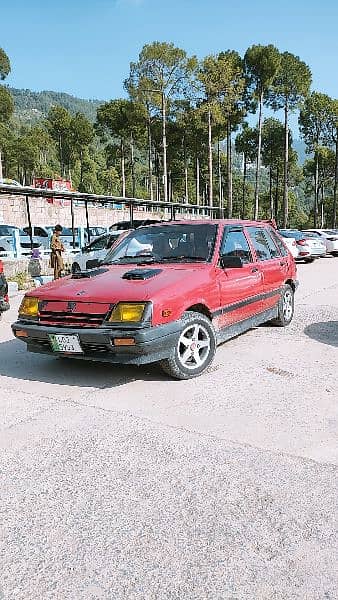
[69, 344]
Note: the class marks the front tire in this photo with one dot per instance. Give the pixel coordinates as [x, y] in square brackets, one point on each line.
[286, 307]
[195, 348]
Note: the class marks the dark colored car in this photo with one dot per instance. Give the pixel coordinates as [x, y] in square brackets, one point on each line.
[4, 301]
[167, 293]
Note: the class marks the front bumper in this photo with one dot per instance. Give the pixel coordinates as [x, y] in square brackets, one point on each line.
[151, 343]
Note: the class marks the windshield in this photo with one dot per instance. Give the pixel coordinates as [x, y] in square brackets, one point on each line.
[168, 243]
[7, 229]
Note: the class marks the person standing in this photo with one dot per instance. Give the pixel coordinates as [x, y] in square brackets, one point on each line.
[57, 247]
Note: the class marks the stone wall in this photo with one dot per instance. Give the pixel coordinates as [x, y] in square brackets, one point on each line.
[13, 212]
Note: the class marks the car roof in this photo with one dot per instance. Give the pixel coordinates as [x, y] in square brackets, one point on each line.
[212, 222]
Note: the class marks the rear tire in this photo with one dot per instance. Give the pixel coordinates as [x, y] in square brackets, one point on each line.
[286, 307]
[76, 268]
[309, 260]
[195, 348]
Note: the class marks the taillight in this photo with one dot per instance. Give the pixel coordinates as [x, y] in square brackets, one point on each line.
[302, 242]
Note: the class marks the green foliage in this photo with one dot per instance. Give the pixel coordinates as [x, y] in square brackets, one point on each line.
[5, 65]
[6, 105]
[262, 64]
[291, 83]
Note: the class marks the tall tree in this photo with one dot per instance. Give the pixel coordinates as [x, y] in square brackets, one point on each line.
[6, 100]
[163, 72]
[246, 144]
[123, 119]
[81, 135]
[261, 64]
[58, 125]
[315, 126]
[334, 136]
[290, 87]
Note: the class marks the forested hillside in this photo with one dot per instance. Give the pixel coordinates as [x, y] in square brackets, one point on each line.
[31, 106]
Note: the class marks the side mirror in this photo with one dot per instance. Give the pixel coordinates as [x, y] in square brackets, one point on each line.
[231, 262]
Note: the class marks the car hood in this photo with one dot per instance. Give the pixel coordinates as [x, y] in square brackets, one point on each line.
[109, 286]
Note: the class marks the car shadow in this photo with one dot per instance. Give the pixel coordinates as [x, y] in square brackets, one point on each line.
[17, 363]
[325, 332]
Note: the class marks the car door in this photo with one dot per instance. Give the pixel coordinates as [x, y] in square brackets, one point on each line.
[273, 265]
[240, 288]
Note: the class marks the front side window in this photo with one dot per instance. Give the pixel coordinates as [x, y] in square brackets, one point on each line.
[260, 243]
[99, 244]
[235, 244]
[167, 243]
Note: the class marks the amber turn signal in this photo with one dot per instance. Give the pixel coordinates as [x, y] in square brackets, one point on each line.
[29, 307]
[124, 342]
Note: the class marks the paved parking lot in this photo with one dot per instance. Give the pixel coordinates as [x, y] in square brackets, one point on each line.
[118, 483]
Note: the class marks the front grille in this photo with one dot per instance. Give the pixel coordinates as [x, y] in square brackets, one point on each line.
[88, 349]
[73, 314]
[68, 319]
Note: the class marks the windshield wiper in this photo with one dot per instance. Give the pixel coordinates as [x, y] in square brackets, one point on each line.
[183, 257]
[140, 258]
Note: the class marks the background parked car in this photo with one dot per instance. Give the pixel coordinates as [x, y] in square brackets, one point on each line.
[330, 239]
[4, 301]
[309, 247]
[94, 252]
[6, 240]
[290, 242]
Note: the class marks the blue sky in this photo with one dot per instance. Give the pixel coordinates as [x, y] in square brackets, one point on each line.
[84, 47]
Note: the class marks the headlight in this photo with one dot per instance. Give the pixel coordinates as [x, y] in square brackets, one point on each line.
[29, 307]
[127, 312]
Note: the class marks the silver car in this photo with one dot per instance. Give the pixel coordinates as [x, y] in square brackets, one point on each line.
[309, 245]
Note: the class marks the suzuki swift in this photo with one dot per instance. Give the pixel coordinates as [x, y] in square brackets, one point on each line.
[167, 293]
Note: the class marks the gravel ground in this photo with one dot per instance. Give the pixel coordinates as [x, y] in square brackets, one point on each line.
[117, 483]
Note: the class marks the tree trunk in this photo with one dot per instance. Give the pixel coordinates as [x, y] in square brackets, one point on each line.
[197, 180]
[150, 162]
[270, 193]
[60, 155]
[276, 193]
[244, 184]
[170, 187]
[334, 209]
[210, 159]
[123, 174]
[1, 175]
[315, 214]
[286, 167]
[258, 165]
[164, 141]
[219, 170]
[132, 165]
[229, 171]
[186, 189]
[322, 223]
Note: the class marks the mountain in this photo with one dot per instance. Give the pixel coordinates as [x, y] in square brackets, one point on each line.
[32, 106]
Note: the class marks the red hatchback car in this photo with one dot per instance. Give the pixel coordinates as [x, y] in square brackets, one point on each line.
[167, 293]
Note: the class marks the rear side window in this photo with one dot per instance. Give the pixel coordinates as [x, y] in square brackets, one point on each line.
[282, 249]
[274, 250]
[265, 248]
[235, 244]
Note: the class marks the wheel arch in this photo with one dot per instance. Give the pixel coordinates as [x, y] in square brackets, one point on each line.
[200, 308]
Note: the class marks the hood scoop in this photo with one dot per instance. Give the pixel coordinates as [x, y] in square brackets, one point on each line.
[89, 273]
[141, 274]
